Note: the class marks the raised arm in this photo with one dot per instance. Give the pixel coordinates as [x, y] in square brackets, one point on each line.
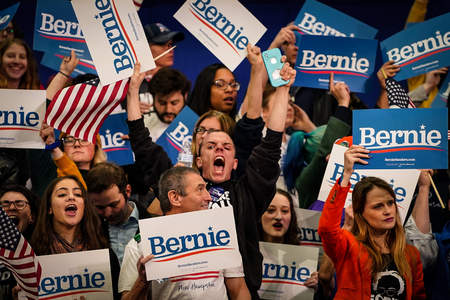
[66, 68]
[389, 69]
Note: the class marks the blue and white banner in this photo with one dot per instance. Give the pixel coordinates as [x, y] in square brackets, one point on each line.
[56, 29]
[225, 27]
[403, 138]
[53, 61]
[178, 133]
[65, 277]
[421, 48]
[285, 270]
[319, 19]
[308, 222]
[7, 14]
[117, 149]
[21, 116]
[192, 242]
[403, 182]
[351, 60]
[115, 37]
[441, 98]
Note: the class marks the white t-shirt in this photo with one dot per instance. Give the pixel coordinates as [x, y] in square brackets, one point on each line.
[204, 285]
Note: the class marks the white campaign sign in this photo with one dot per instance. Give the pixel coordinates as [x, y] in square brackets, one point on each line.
[285, 270]
[71, 275]
[402, 181]
[190, 242]
[225, 27]
[308, 222]
[115, 37]
[21, 115]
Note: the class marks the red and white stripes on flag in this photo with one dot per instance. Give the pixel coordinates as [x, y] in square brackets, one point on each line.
[81, 109]
[16, 254]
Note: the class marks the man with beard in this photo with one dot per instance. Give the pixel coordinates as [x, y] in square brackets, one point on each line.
[110, 192]
[169, 89]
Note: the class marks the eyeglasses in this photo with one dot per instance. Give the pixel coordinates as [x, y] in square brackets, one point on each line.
[70, 141]
[18, 204]
[202, 130]
[222, 84]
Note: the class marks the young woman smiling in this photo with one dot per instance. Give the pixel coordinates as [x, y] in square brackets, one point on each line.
[372, 260]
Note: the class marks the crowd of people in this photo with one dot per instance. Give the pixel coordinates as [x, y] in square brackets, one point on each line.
[264, 158]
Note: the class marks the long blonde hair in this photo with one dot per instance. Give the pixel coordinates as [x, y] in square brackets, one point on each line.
[364, 233]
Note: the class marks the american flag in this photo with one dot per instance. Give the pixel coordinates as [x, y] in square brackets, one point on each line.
[81, 109]
[397, 96]
[17, 255]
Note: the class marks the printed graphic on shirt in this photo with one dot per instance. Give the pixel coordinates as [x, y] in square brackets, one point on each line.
[219, 197]
[388, 285]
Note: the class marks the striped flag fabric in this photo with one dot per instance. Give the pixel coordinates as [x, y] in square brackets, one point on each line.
[16, 254]
[81, 109]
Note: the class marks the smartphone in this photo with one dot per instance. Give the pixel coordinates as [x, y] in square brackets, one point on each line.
[272, 61]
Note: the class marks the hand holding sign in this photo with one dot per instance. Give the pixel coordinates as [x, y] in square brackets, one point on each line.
[133, 109]
[340, 91]
[285, 36]
[354, 154]
[141, 267]
[433, 78]
[387, 70]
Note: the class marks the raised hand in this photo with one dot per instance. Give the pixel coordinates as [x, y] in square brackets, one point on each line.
[287, 72]
[340, 91]
[285, 35]
[389, 69]
[69, 63]
[354, 154]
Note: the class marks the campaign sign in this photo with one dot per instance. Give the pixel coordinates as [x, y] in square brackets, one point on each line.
[351, 60]
[308, 222]
[225, 27]
[7, 14]
[117, 149]
[53, 61]
[285, 270]
[440, 101]
[402, 138]
[403, 182]
[21, 115]
[56, 29]
[115, 37]
[316, 18]
[71, 275]
[190, 243]
[421, 48]
[178, 133]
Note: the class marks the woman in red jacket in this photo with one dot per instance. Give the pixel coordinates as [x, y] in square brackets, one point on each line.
[372, 261]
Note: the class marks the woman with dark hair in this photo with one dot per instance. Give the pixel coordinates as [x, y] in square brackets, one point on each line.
[215, 88]
[372, 260]
[67, 222]
[279, 225]
[18, 69]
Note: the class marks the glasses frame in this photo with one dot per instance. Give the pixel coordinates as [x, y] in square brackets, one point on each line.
[202, 130]
[7, 204]
[222, 84]
[67, 141]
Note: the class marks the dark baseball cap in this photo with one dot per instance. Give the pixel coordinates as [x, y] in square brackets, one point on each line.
[158, 33]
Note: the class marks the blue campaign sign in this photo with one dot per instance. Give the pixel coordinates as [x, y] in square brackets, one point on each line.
[318, 19]
[179, 131]
[351, 60]
[442, 97]
[420, 48]
[403, 138]
[56, 29]
[53, 61]
[7, 14]
[117, 149]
